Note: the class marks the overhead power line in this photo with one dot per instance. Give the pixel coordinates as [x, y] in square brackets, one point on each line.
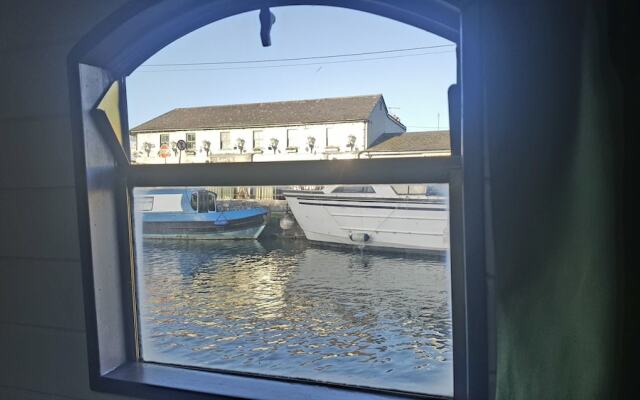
[299, 58]
[295, 64]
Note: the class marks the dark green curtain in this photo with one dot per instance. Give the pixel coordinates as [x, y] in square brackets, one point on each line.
[552, 111]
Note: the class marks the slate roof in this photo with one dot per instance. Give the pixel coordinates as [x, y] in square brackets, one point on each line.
[413, 141]
[336, 109]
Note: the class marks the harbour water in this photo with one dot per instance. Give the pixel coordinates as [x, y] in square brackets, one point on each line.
[292, 309]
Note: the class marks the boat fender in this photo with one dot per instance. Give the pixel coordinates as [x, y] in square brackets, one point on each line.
[286, 222]
[359, 237]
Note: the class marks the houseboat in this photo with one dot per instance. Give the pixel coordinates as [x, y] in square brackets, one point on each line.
[413, 217]
[193, 213]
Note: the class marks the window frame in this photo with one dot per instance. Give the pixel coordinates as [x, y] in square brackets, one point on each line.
[166, 135]
[292, 134]
[230, 145]
[134, 140]
[191, 144]
[258, 134]
[329, 142]
[108, 54]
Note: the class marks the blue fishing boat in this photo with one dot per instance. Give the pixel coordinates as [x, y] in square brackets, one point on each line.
[193, 213]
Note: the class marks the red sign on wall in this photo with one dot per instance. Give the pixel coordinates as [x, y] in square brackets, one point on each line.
[165, 151]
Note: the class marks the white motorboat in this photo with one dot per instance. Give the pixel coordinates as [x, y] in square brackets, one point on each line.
[403, 216]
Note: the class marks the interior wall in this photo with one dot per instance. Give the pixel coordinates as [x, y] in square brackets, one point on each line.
[549, 118]
[42, 330]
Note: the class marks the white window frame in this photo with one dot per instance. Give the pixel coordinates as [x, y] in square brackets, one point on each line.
[191, 142]
[334, 130]
[168, 141]
[258, 133]
[292, 137]
[222, 145]
[105, 180]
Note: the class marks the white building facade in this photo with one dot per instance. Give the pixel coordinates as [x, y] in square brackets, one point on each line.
[333, 128]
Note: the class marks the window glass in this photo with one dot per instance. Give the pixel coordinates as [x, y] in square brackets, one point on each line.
[225, 140]
[411, 189]
[300, 286]
[258, 140]
[191, 141]
[437, 190]
[417, 189]
[354, 189]
[211, 201]
[330, 85]
[335, 139]
[134, 144]
[164, 139]
[144, 203]
[347, 284]
[292, 138]
[193, 201]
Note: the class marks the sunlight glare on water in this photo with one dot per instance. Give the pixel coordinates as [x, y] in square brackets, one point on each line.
[287, 308]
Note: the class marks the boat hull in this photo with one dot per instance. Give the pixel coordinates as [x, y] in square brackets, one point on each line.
[372, 223]
[248, 233]
[207, 229]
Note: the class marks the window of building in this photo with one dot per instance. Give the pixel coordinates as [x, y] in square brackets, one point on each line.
[191, 141]
[134, 143]
[258, 140]
[336, 139]
[164, 139]
[292, 138]
[225, 140]
[241, 318]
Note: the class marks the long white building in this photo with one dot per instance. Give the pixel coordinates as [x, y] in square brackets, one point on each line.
[331, 128]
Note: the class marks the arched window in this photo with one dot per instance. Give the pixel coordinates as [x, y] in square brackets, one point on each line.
[108, 173]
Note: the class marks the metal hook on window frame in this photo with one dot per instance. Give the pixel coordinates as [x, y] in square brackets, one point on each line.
[267, 19]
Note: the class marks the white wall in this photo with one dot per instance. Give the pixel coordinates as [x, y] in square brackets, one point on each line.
[380, 122]
[299, 139]
[43, 351]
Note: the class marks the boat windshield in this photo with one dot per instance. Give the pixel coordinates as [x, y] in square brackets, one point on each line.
[409, 189]
[203, 201]
[211, 201]
[353, 189]
[144, 203]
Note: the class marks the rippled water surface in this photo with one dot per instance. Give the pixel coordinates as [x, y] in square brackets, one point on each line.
[287, 308]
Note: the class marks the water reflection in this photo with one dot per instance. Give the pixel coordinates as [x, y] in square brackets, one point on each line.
[286, 308]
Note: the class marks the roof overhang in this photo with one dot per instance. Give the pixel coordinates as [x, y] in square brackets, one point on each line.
[223, 128]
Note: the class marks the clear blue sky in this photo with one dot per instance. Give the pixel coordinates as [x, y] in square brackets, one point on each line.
[414, 84]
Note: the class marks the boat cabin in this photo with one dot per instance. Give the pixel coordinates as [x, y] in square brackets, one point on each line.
[203, 201]
[189, 200]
